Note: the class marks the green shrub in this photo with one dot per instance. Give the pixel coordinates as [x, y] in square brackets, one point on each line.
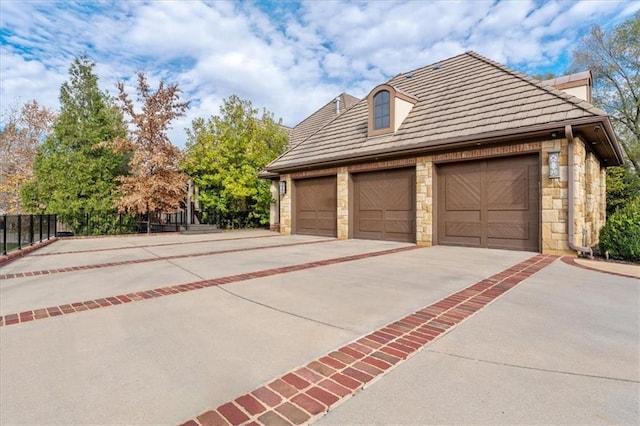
[621, 234]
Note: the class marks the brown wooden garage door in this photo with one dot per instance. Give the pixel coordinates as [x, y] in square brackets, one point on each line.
[316, 206]
[493, 203]
[384, 205]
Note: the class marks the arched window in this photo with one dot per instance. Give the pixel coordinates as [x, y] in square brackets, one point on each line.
[381, 110]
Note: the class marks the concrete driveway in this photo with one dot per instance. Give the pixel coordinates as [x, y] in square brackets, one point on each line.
[253, 326]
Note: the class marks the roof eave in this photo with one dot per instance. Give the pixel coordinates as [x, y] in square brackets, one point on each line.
[465, 141]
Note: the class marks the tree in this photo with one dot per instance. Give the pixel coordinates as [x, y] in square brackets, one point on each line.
[623, 185]
[155, 184]
[614, 59]
[20, 138]
[224, 155]
[73, 174]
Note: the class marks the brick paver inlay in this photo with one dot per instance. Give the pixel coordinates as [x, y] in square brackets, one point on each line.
[152, 259]
[304, 394]
[36, 314]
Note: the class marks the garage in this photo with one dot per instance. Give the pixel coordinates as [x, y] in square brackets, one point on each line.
[490, 203]
[384, 205]
[316, 206]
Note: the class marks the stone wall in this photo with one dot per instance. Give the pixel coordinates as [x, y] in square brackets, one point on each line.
[590, 195]
[554, 199]
[343, 203]
[285, 207]
[424, 201]
[274, 207]
[589, 203]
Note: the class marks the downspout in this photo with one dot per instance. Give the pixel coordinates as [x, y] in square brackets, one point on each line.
[568, 131]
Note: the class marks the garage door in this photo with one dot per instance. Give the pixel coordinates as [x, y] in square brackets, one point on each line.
[316, 206]
[490, 203]
[384, 205]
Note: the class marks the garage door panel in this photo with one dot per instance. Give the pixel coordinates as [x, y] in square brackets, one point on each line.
[508, 189]
[490, 203]
[369, 225]
[316, 206]
[511, 231]
[463, 186]
[370, 197]
[463, 229]
[384, 205]
[398, 227]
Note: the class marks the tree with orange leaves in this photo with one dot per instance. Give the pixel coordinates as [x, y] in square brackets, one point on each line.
[154, 183]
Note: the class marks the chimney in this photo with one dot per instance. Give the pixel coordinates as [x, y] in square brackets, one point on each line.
[337, 101]
[578, 85]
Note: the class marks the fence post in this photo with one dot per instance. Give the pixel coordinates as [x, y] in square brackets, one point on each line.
[19, 232]
[55, 225]
[4, 235]
[87, 228]
[40, 215]
[30, 229]
[48, 226]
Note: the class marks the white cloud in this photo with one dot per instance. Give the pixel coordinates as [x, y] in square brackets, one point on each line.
[290, 58]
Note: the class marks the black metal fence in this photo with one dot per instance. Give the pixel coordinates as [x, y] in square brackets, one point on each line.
[235, 220]
[81, 223]
[18, 231]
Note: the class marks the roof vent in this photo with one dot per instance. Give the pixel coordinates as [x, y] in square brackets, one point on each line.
[409, 74]
[436, 67]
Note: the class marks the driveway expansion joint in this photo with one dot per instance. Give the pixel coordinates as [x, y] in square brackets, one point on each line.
[527, 367]
[133, 246]
[305, 394]
[152, 259]
[37, 314]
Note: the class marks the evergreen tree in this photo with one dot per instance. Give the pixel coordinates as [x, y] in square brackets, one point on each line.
[74, 173]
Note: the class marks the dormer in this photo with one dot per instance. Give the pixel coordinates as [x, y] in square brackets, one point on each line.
[388, 107]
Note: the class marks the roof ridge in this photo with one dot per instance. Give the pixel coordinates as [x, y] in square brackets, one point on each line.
[549, 89]
[422, 67]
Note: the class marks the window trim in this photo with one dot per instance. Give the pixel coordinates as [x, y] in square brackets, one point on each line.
[392, 110]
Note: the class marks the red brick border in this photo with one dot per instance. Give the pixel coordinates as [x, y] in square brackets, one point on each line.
[153, 259]
[572, 261]
[308, 392]
[24, 251]
[149, 245]
[36, 314]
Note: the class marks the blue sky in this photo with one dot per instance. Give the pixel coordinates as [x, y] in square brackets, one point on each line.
[289, 57]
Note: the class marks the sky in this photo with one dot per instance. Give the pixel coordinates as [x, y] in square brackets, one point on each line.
[289, 57]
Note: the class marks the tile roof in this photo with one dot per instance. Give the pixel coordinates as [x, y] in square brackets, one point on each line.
[466, 97]
[320, 118]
